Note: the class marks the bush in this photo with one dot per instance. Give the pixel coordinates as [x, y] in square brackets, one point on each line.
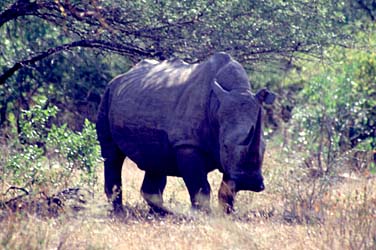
[337, 112]
[332, 130]
[79, 150]
[42, 154]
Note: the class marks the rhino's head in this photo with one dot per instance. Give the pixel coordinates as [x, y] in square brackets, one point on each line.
[241, 145]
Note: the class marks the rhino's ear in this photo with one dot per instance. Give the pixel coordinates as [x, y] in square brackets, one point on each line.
[218, 89]
[265, 96]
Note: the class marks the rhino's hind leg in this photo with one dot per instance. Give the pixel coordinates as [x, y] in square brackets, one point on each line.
[112, 178]
[152, 191]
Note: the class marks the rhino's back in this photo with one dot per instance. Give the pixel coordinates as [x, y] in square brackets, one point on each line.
[167, 96]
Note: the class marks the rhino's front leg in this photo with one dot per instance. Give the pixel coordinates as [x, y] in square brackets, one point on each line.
[226, 195]
[192, 166]
[152, 191]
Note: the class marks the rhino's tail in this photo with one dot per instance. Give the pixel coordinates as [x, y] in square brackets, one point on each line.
[103, 125]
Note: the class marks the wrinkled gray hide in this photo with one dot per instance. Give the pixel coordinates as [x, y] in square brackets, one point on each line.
[164, 115]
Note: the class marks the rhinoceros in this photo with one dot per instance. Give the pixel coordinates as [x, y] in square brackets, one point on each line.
[177, 119]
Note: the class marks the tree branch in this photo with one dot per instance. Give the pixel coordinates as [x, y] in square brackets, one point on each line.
[99, 44]
[19, 8]
[366, 9]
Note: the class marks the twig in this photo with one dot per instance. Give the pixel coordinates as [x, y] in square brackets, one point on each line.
[17, 188]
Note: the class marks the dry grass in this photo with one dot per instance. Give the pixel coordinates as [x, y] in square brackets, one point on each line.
[347, 219]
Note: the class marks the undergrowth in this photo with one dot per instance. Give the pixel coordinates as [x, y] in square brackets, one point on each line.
[52, 197]
[43, 164]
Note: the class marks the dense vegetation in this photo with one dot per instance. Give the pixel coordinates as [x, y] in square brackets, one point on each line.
[68, 50]
[56, 58]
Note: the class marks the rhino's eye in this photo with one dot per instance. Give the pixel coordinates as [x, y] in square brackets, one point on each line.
[249, 138]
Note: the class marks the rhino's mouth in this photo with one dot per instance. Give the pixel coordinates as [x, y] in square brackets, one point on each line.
[249, 185]
[246, 181]
[232, 184]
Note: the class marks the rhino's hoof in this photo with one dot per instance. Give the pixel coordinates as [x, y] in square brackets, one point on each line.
[229, 210]
[120, 212]
[159, 211]
[201, 209]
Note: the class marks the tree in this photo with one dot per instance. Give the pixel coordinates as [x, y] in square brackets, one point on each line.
[252, 31]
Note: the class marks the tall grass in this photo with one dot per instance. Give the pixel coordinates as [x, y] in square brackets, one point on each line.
[340, 216]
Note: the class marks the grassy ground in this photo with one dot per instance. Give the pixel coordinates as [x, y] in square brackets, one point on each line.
[290, 214]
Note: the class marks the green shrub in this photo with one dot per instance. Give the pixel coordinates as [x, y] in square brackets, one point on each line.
[332, 130]
[79, 150]
[45, 154]
[337, 112]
